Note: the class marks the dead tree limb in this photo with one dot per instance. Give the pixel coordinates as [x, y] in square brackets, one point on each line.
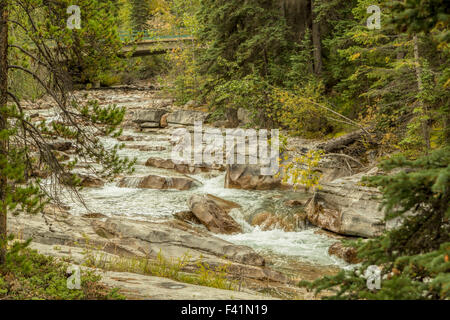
[345, 157]
[334, 145]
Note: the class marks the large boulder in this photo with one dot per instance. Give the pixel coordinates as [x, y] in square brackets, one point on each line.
[223, 204]
[346, 207]
[156, 236]
[186, 117]
[130, 238]
[149, 118]
[160, 163]
[157, 182]
[212, 216]
[249, 177]
[348, 254]
[90, 181]
[82, 180]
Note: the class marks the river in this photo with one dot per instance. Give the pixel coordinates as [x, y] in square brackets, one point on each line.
[285, 251]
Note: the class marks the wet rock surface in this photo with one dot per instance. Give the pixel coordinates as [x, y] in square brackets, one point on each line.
[269, 221]
[157, 182]
[346, 253]
[249, 177]
[214, 217]
[131, 238]
[182, 167]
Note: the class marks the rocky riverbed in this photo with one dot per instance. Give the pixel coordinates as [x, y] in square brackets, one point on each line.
[267, 234]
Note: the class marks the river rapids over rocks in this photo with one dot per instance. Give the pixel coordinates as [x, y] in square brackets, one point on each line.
[289, 244]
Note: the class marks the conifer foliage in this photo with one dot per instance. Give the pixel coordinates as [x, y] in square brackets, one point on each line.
[413, 257]
[35, 42]
[140, 13]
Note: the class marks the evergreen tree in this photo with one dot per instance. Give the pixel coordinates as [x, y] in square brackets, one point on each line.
[245, 41]
[140, 14]
[395, 80]
[414, 257]
[45, 41]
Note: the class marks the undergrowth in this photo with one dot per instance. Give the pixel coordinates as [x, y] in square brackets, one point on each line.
[28, 275]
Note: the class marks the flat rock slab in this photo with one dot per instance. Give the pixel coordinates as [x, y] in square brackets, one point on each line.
[145, 287]
[184, 168]
[174, 242]
[186, 117]
[142, 287]
[131, 238]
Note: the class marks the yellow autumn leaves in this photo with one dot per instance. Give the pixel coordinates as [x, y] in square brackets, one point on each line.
[302, 170]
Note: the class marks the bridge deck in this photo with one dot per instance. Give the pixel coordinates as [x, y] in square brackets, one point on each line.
[152, 43]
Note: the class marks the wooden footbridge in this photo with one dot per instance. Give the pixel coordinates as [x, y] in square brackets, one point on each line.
[154, 42]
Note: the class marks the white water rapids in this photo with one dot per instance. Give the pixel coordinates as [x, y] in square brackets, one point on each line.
[303, 246]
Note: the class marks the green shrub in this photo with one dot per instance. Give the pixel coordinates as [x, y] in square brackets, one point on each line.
[27, 274]
[414, 257]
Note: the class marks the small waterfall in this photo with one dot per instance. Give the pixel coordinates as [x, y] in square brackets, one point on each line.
[169, 182]
[131, 182]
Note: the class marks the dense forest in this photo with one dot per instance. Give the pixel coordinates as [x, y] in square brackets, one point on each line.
[369, 81]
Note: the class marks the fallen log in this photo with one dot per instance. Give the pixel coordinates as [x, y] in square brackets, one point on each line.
[339, 143]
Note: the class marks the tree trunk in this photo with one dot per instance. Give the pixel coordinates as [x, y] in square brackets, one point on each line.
[297, 15]
[316, 42]
[425, 125]
[3, 122]
[338, 144]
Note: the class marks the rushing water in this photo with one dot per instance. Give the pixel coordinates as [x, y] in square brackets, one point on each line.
[283, 247]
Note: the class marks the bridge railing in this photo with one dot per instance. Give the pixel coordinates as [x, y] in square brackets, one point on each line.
[131, 35]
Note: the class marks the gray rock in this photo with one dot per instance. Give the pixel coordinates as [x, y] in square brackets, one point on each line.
[157, 182]
[132, 238]
[156, 236]
[186, 117]
[214, 217]
[182, 167]
[153, 288]
[249, 177]
[138, 286]
[244, 116]
[346, 207]
[149, 115]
